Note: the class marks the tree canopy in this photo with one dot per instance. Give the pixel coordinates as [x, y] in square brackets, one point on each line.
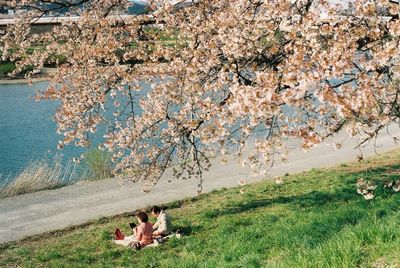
[225, 76]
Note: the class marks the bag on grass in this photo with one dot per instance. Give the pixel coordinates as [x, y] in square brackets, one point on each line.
[119, 235]
[135, 245]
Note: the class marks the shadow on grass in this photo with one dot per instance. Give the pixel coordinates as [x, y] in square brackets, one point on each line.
[317, 215]
[308, 200]
[187, 229]
[313, 199]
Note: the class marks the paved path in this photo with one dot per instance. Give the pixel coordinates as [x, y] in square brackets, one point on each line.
[39, 212]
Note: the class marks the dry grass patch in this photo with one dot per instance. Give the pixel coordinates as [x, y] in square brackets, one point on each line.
[41, 175]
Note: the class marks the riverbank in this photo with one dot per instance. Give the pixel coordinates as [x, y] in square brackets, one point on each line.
[22, 80]
[46, 72]
[43, 76]
[315, 218]
[35, 213]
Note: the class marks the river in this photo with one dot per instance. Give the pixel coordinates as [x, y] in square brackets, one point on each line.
[27, 129]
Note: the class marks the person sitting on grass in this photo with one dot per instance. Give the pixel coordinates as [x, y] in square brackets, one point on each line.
[144, 231]
[163, 225]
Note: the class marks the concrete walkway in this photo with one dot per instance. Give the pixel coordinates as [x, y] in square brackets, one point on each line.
[35, 213]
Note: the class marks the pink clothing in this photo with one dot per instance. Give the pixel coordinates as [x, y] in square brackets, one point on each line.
[144, 233]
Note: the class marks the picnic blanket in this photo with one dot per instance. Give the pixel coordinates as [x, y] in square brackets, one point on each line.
[125, 242]
[128, 239]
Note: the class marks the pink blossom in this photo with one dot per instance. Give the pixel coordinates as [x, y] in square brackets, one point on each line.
[226, 83]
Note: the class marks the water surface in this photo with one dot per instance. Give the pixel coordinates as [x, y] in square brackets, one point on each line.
[27, 128]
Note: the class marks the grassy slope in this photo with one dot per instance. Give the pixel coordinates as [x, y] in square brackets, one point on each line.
[315, 219]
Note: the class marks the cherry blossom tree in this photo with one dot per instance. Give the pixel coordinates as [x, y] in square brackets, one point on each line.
[237, 77]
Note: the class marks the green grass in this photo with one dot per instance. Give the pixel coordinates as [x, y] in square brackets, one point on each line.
[315, 219]
[6, 67]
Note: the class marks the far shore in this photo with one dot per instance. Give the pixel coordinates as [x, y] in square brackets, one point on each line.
[43, 76]
[22, 80]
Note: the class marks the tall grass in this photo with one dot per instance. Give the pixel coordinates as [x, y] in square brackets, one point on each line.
[40, 175]
[49, 174]
[98, 163]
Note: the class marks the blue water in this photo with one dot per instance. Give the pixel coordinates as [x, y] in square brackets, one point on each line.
[27, 129]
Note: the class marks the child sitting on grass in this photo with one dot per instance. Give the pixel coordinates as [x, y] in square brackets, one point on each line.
[143, 232]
